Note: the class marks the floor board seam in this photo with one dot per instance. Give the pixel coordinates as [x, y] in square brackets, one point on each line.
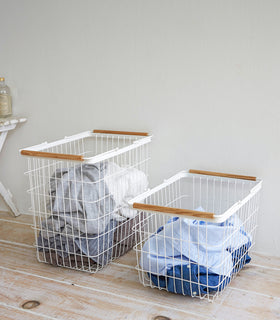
[254, 292]
[17, 222]
[264, 267]
[19, 244]
[122, 265]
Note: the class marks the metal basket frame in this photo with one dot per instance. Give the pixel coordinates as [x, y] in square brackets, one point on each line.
[72, 228]
[180, 213]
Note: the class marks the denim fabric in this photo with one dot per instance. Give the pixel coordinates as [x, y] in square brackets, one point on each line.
[194, 280]
[190, 280]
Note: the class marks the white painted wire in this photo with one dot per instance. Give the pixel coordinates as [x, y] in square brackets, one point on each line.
[190, 192]
[72, 245]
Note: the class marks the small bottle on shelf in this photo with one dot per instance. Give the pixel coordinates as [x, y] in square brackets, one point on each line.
[5, 99]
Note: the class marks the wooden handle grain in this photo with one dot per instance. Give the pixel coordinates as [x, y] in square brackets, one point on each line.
[225, 175]
[176, 211]
[122, 132]
[52, 155]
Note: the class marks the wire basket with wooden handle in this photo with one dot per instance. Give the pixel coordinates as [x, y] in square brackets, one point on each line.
[79, 188]
[197, 231]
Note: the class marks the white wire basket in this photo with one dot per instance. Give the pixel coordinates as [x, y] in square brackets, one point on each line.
[197, 231]
[80, 187]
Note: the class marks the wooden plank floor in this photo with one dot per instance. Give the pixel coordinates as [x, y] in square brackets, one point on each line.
[115, 292]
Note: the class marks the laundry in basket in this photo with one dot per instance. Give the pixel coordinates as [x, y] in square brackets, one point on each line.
[197, 232]
[80, 187]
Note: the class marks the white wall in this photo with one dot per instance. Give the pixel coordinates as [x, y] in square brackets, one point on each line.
[202, 76]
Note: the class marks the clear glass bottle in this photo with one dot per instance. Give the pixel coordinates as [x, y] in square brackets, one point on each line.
[5, 100]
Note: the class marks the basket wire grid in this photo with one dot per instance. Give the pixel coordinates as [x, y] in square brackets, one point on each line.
[79, 189]
[196, 233]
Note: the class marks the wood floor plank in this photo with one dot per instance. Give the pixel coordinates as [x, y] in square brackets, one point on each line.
[265, 260]
[258, 279]
[23, 218]
[18, 233]
[66, 301]
[15, 313]
[124, 281]
[248, 307]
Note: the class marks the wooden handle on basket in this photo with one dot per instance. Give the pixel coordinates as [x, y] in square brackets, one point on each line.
[52, 155]
[176, 211]
[122, 132]
[226, 175]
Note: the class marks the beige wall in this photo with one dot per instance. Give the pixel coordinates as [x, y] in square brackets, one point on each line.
[202, 76]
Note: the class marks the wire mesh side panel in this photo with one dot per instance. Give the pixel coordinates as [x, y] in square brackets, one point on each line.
[195, 257]
[81, 216]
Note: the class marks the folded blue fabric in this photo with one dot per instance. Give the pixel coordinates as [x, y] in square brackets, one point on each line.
[194, 279]
[190, 280]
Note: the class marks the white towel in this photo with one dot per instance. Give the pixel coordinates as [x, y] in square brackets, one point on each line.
[123, 184]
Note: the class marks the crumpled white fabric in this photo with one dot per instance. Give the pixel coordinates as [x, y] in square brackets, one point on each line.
[123, 184]
[87, 197]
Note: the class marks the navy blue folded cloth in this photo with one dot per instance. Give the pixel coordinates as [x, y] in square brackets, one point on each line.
[194, 280]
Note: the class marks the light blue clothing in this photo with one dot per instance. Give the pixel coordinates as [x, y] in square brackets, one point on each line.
[182, 241]
[80, 197]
